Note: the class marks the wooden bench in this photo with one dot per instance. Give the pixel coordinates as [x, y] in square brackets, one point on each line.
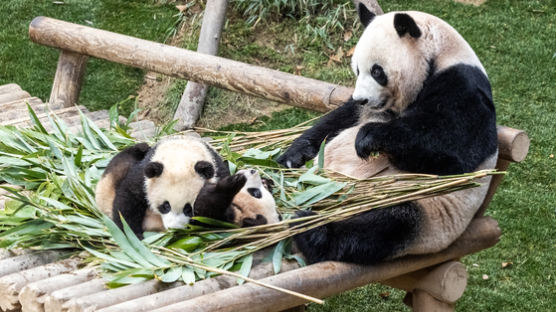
[433, 282]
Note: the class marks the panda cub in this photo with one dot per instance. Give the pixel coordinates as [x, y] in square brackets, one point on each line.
[142, 183]
[243, 199]
[422, 99]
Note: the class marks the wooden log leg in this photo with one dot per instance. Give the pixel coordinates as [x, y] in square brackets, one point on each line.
[423, 302]
[445, 283]
[69, 75]
[193, 98]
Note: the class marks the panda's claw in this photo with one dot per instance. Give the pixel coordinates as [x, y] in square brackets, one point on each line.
[296, 156]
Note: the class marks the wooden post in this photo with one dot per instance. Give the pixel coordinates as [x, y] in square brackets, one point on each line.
[193, 98]
[423, 302]
[68, 78]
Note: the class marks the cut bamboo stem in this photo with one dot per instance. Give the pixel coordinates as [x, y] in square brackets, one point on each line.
[26, 261]
[32, 296]
[62, 299]
[11, 285]
[173, 295]
[95, 301]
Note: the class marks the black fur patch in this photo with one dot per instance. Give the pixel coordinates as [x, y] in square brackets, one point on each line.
[366, 239]
[204, 169]
[164, 208]
[188, 210]
[215, 199]
[365, 15]
[405, 24]
[307, 145]
[222, 169]
[259, 220]
[153, 169]
[255, 192]
[449, 129]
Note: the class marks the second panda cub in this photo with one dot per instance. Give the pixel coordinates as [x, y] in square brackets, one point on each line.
[251, 201]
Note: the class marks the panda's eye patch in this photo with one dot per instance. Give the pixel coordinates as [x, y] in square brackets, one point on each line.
[188, 210]
[165, 208]
[378, 74]
[255, 192]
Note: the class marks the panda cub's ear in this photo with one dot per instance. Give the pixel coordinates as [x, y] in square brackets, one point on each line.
[204, 169]
[405, 24]
[153, 169]
[365, 16]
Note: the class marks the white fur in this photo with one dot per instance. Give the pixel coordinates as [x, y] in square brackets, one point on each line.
[179, 183]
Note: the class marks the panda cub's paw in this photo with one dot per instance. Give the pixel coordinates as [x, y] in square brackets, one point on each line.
[365, 141]
[299, 152]
[313, 244]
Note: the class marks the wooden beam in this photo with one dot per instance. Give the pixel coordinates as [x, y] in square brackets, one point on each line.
[212, 70]
[68, 78]
[193, 98]
[328, 278]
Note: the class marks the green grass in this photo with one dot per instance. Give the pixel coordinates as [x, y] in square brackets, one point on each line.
[516, 41]
[33, 66]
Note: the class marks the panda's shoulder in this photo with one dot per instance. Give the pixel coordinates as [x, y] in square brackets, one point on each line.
[460, 77]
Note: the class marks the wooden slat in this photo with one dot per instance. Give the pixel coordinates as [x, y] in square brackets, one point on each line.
[17, 95]
[9, 88]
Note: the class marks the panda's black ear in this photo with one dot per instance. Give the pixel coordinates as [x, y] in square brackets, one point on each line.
[365, 16]
[153, 169]
[405, 24]
[204, 169]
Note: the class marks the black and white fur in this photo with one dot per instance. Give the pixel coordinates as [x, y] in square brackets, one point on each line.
[145, 184]
[242, 199]
[422, 99]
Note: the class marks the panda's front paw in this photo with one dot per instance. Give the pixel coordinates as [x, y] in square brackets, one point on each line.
[365, 141]
[296, 156]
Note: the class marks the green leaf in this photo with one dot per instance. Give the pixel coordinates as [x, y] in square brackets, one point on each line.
[259, 154]
[245, 268]
[277, 256]
[113, 114]
[321, 154]
[188, 244]
[317, 193]
[137, 245]
[36, 122]
[188, 276]
[310, 177]
[172, 275]
[124, 243]
[78, 157]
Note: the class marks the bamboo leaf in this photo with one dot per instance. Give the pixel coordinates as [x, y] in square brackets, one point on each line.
[245, 268]
[321, 154]
[214, 222]
[277, 256]
[317, 193]
[172, 275]
[36, 122]
[124, 243]
[188, 276]
[137, 245]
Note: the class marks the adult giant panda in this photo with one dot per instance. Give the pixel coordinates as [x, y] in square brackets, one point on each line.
[422, 99]
[148, 185]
